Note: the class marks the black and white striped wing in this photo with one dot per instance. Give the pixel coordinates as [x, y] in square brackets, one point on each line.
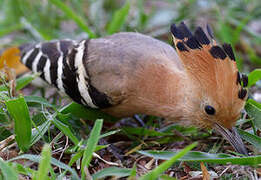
[61, 63]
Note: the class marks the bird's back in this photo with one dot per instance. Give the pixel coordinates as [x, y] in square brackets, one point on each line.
[123, 57]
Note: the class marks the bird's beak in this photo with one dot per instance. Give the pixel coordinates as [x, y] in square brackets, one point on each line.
[233, 137]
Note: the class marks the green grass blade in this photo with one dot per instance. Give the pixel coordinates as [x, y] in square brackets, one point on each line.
[24, 81]
[18, 110]
[119, 18]
[79, 154]
[251, 138]
[253, 77]
[109, 133]
[76, 156]
[195, 156]
[55, 162]
[7, 171]
[81, 111]
[111, 171]
[37, 33]
[239, 28]
[91, 145]
[38, 100]
[21, 169]
[143, 131]
[253, 109]
[20, 82]
[38, 132]
[66, 130]
[155, 173]
[44, 165]
[133, 173]
[72, 15]
[10, 29]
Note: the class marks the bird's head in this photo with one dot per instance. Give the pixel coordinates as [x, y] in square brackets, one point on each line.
[216, 91]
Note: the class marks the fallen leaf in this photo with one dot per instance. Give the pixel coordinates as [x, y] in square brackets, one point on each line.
[205, 173]
[11, 58]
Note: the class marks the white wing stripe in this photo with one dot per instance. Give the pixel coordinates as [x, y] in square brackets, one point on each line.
[47, 74]
[83, 87]
[36, 61]
[25, 57]
[60, 68]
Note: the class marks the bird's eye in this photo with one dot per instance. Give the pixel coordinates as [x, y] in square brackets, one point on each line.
[210, 110]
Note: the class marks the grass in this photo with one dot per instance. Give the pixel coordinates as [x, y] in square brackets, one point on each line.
[59, 140]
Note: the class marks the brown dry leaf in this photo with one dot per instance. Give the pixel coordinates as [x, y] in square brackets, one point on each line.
[11, 58]
[133, 150]
[107, 162]
[258, 170]
[206, 175]
[6, 142]
[184, 177]
[187, 169]
[9, 154]
[12, 79]
[9, 74]
[149, 164]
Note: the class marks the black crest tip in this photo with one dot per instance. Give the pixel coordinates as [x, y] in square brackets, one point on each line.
[181, 47]
[244, 80]
[176, 32]
[229, 51]
[217, 52]
[242, 94]
[184, 29]
[238, 78]
[201, 36]
[210, 32]
[193, 43]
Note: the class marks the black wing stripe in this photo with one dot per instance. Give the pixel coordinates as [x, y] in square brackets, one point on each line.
[40, 66]
[51, 51]
[31, 58]
[69, 76]
[81, 75]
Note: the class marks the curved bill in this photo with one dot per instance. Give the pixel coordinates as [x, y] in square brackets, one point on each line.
[233, 137]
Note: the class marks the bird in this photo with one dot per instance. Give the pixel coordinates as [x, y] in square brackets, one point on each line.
[194, 83]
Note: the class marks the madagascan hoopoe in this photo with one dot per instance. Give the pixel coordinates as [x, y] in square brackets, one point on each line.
[130, 73]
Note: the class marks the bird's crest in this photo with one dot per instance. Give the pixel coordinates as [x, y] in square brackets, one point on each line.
[212, 66]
